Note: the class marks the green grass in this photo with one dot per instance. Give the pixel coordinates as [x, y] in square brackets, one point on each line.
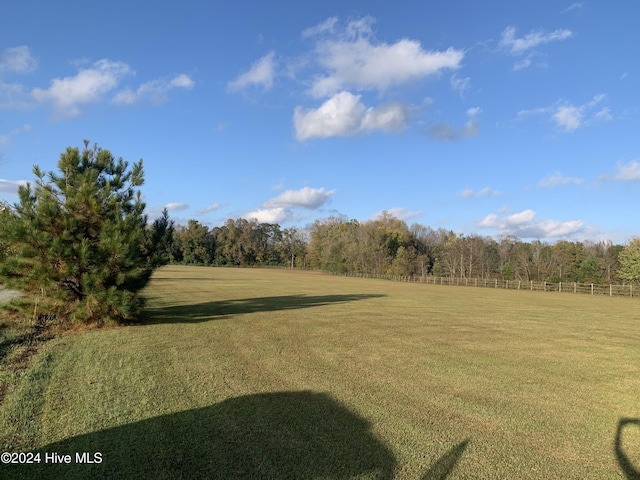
[242, 373]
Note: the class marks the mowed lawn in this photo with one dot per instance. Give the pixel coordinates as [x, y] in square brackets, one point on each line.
[255, 373]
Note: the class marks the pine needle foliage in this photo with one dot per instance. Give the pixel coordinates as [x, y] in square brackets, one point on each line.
[77, 242]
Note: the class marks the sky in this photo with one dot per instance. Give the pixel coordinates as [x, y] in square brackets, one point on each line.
[492, 118]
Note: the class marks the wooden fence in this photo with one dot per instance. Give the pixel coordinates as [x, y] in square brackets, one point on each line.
[559, 287]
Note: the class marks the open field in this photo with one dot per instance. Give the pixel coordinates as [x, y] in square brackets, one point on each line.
[241, 373]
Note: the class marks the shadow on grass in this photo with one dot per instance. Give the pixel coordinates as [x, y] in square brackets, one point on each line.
[273, 435]
[202, 312]
[283, 435]
[446, 463]
[627, 467]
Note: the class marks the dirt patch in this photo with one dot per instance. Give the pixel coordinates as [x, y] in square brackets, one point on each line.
[20, 359]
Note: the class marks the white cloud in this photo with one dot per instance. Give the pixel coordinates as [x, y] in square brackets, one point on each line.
[510, 221]
[154, 91]
[522, 64]
[270, 215]
[354, 59]
[573, 6]
[181, 81]
[446, 132]
[400, 213]
[93, 83]
[311, 198]
[473, 111]
[553, 229]
[482, 193]
[391, 117]
[14, 96]
[88, 86]
[362, 27]
[535, 111]
[523, 225]
[604, 114]
[556, 179]
[279, 209]
[520, 45]
[17, 60]
[460, 85]
[343, 115]
[626, 171]
[176, 206]
[260, 74]
[10, 186]
[346, 60]
[328, 26]
[211, 208]
[570, 117]
[5, 138]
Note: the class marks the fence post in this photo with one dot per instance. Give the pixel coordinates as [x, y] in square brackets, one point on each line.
[531, 285]
[518, 284]
[496, 283]
[544, 288]
[631, 290]
[610, 290]
[574, 287]
[592, 289]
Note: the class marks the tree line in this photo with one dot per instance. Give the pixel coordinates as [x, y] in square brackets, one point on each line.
[238, 242]
[389, 246]
[80, 246]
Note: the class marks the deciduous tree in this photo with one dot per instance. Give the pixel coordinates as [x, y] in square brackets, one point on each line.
[630, 262]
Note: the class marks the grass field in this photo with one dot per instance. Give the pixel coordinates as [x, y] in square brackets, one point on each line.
[243, 373]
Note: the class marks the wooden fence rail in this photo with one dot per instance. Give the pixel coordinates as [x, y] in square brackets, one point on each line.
[628, 290]
[558, 287]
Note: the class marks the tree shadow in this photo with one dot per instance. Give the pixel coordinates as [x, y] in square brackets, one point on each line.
[443, 467]
[206, 311]
[627, 467]
[283, 435]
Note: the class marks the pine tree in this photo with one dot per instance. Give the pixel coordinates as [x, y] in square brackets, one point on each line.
[78, 243]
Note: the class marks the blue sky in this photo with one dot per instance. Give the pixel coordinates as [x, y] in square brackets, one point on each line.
[520, 118]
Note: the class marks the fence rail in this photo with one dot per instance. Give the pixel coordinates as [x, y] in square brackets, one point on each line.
[628, 290]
